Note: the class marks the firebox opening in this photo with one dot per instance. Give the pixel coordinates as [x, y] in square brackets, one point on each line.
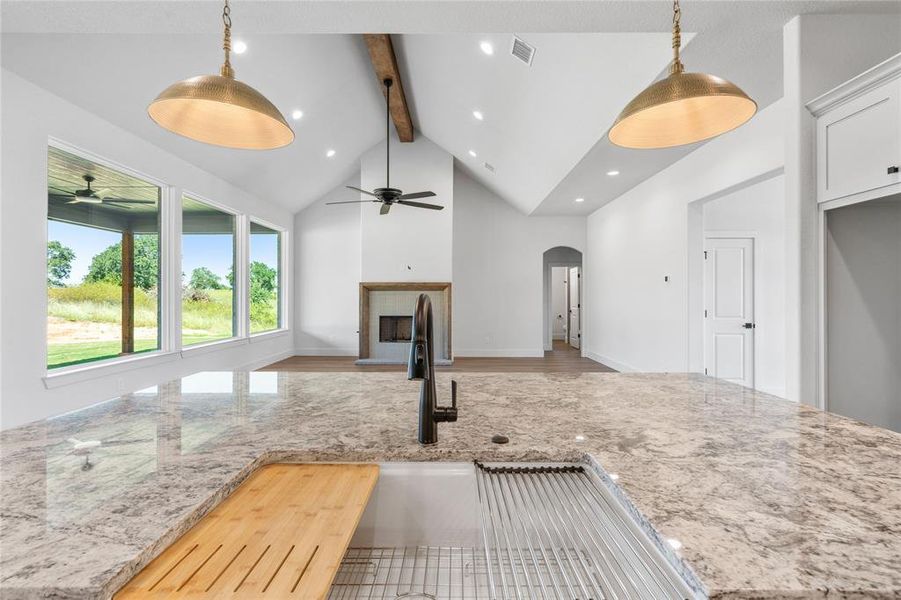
[395, 329]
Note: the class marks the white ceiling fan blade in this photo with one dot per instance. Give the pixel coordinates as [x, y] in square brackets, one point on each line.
[103, 193]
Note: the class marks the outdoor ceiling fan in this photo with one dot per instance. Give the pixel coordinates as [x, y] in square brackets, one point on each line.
[92, 196]
[389, 195]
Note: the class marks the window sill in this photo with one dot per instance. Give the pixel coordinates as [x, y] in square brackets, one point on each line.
[80, 373]
[212, 346]
[267, 335]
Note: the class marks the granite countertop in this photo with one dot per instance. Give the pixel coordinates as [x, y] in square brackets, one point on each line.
[769, 499]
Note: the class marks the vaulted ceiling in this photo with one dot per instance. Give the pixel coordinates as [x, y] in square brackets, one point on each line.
[544, 125]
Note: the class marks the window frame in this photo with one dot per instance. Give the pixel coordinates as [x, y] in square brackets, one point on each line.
[283, 286]
[166, 347]
[239, 298]
[169, 305]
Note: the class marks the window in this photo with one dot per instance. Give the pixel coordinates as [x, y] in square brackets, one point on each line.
[103, 262]
[208, 273]
[265, 278]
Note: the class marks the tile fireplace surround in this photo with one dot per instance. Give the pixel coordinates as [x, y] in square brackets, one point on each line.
[399, 299]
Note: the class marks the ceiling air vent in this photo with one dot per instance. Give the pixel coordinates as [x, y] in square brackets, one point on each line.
[490, 167]
[522, 51]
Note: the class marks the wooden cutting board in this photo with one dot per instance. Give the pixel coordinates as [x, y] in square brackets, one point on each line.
[281, 534]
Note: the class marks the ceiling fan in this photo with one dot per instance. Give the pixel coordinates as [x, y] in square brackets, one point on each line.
[388, 195]
[92, 196]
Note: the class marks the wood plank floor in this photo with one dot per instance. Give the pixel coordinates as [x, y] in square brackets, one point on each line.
[562, 359]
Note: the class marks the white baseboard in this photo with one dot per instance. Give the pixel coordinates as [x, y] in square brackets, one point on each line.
[268, 360]
[327, 351]
[613, 364]
[498, 353]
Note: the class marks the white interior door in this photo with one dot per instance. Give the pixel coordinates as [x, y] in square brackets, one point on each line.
[729, 309]
[575, 306]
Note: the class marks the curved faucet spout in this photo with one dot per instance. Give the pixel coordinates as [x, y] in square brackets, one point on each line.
[422, 362]
[421, 366]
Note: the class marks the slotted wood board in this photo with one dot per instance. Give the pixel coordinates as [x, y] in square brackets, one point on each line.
[281, 534]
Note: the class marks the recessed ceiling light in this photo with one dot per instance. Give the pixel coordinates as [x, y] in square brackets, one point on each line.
[614, 476]
[330, 153]
[487, 48]
[472, 153]
[296, 114]
[478, 114]
[613, 173]
[580, 199]
[239, 47]
[580, 438]
[674, 543]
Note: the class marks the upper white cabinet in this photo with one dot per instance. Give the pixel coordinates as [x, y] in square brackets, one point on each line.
[859, 135]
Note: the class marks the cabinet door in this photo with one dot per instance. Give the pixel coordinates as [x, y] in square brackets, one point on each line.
[859, 144]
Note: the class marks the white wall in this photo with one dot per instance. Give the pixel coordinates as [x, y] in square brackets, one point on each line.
[758, 211]
[31, 115]
[863, 298]
[559, 310]
[408, 244]
[497, 271]
[819, 53]
[635, 320]
[328, 266]
[499, 303]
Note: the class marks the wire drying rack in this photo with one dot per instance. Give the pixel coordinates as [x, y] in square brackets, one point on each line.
[549, 532]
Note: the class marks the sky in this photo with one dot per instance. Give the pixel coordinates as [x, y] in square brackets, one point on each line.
[211, 251]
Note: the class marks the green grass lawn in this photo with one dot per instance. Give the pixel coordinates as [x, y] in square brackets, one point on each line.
[93, 307]
[64, 355]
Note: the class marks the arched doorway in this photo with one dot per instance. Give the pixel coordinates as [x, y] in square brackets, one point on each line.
[562, 322]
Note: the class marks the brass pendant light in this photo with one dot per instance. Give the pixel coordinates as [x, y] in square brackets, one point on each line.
[682, 108]
[220, 110]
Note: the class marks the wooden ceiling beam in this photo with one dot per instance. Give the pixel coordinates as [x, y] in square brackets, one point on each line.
[384, 63]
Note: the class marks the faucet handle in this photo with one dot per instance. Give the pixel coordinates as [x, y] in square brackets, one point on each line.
[448, 414]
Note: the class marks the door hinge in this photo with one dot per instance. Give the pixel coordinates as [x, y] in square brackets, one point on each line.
[705, 313]
[705, 255]
[705, 371]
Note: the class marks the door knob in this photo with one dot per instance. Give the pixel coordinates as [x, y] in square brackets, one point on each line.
[893, 169]
[749, 325]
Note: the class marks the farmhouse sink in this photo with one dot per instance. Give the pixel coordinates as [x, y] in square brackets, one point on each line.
[513, 530]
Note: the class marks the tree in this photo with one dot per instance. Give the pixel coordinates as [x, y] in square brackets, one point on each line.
[107, 266]
[204, 279]
[59, 263]
[262, 281]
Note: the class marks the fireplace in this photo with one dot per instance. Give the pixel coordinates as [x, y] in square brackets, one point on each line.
[395, 329]
[386, 320]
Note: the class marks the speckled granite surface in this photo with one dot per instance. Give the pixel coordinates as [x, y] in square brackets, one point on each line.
[769, 499]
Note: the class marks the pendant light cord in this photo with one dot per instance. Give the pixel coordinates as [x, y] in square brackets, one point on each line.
[677, 39]
[388, 133]
[227, 70]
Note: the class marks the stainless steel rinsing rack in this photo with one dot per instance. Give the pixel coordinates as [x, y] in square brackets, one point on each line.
[554, 532]
[549, 532]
